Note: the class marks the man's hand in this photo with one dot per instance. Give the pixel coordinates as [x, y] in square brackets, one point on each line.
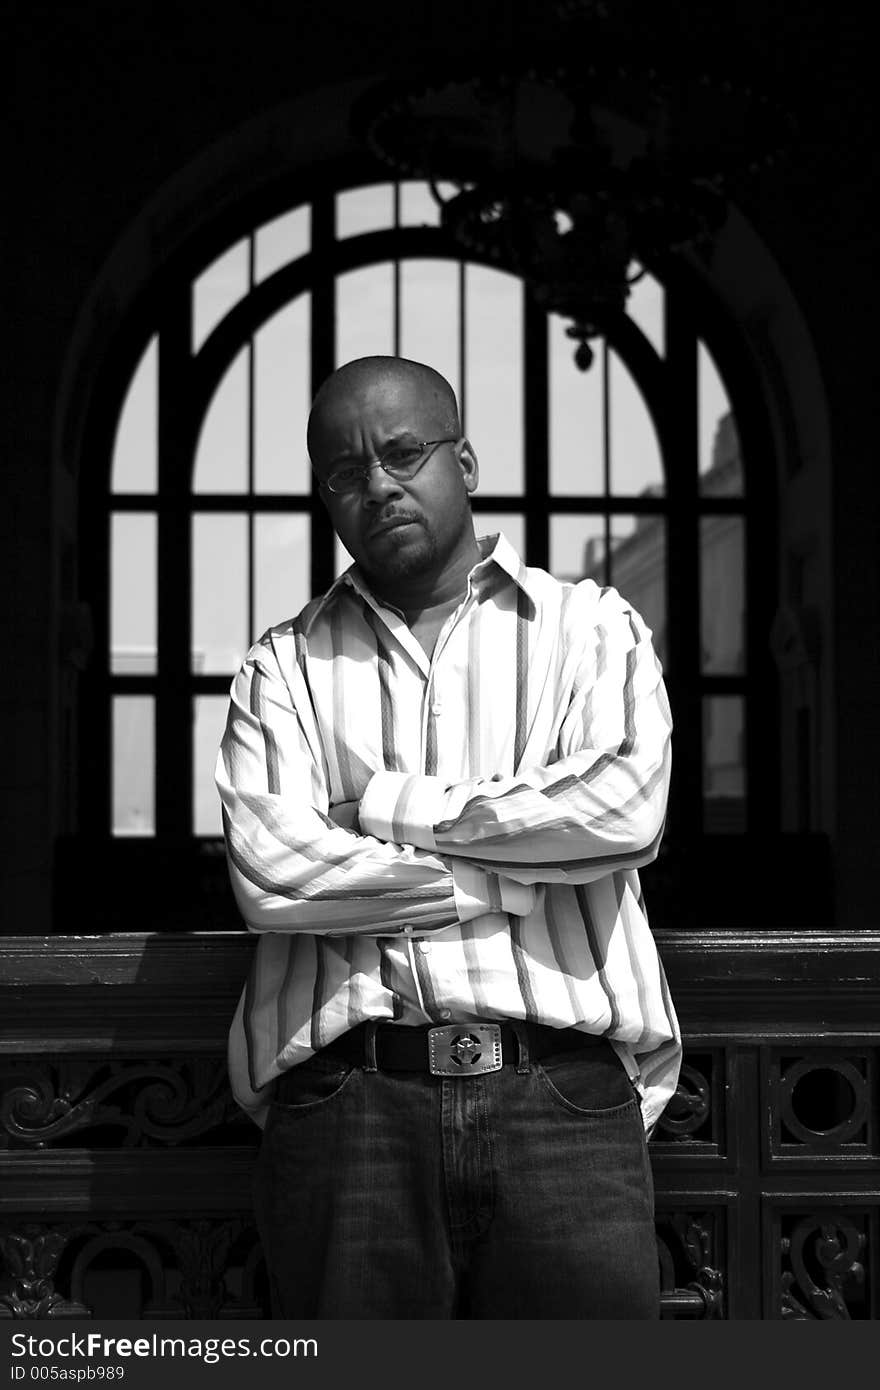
[345, 814]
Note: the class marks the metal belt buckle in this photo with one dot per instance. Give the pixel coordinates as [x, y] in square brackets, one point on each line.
[464, 1049]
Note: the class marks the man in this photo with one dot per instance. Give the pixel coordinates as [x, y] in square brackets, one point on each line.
[438, 783]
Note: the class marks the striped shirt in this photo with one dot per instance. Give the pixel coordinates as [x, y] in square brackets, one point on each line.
[510, 787]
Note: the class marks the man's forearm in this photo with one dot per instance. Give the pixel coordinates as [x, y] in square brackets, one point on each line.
[574, 822]
[476, 890]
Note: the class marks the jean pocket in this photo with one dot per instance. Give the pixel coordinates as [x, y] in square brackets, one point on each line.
[311, 1084]
[592, 1082]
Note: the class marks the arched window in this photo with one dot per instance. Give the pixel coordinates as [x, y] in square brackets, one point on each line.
[633, 472]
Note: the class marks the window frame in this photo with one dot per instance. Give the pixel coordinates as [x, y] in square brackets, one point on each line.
[186, 385]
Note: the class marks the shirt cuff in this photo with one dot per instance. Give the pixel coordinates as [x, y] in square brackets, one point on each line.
[402, 808]
[478, 891]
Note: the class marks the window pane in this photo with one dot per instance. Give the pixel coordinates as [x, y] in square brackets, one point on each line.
[418, 207]
[638, 570]
[365, 313]
[218, 289]
[725, 477]
[341, 558]
[209, 720]
[577, 548]
[362, 210]
[511, 523]
[722, 595]
[221, 463]
[720, 463]
[635, 450]
[646, 307]
[282, 382]
[134, 762]
[133, 557]
[220, 586]
[281, 241]
[429, 319]
[724, 772]
[493, 399]
[576, 435]
[281, 569]
[135, 450]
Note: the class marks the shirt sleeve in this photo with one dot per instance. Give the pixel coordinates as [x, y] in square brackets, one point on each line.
[599, 806]
[291, 867]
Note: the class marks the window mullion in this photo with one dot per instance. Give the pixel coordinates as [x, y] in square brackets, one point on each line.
[251, 462]
[462, 345]
[683, 569]
[323, 363]
[606, 454]
[174, 617]
[536, 441]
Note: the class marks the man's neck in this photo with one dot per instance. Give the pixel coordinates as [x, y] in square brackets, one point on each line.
[433, 611]
[419, 594]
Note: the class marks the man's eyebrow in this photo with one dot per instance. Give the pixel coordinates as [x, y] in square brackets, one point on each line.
[403, 433]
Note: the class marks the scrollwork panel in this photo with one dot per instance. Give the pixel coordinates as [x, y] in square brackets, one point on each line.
[29, 1260]
[696, 1113]
[130, 1104]
[824, 1264]
[823, 1103]
[690, 1246]
[134, 1269]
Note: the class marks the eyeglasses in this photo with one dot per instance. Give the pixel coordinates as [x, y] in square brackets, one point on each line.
[400, 461]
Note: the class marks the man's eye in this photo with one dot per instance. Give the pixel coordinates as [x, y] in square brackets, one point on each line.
[347, 475]
[402, 455]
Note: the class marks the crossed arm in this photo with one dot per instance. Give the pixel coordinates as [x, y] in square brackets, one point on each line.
[417, 854]
[296, 864]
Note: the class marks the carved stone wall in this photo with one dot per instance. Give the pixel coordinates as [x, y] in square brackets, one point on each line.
[125, 1167]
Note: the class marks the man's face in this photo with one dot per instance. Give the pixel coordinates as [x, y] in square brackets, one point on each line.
[396, 530]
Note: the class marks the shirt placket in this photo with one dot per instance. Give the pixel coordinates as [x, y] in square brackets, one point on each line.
[423, 978]
[432, 701]
[426, 977]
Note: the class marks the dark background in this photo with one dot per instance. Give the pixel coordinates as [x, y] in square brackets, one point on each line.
[133, 125]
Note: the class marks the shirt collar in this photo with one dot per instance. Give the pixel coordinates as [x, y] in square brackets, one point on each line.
[497, 554]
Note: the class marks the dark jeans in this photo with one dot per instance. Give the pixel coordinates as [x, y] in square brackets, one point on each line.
[525, 1193]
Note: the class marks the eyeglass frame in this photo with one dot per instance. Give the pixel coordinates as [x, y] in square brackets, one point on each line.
[426, 447]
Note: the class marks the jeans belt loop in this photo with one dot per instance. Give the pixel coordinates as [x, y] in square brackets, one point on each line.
[370, 1063]
[522, 1046]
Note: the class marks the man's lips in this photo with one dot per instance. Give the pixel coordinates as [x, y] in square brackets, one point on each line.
[391, 523]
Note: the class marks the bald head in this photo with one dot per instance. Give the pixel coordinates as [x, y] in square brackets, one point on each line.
[391, 377]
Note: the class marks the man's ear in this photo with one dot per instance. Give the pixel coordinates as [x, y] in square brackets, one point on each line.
[467, 462]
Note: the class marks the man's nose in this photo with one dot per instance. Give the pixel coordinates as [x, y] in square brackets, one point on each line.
[379, 486]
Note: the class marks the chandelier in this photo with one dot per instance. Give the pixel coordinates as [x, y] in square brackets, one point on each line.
[575, 174]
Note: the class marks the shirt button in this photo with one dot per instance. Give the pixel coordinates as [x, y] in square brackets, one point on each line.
[436, 708]
[423, 947]
[446, 1013]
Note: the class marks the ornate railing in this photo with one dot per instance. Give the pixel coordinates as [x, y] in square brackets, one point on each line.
[125, 1167]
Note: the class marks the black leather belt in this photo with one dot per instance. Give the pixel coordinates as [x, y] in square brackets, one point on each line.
[456, 1049]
